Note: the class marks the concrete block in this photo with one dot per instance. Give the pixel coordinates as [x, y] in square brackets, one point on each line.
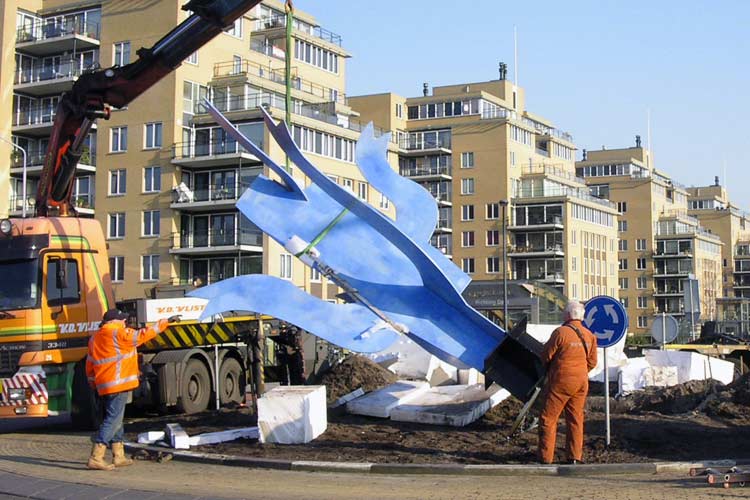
[177, 437]
[292, 414]
[380, 403]
[224, 436]
[456, 405]
[348, 397]
[151, 437]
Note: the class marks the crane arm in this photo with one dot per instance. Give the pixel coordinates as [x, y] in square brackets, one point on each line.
[94, 93]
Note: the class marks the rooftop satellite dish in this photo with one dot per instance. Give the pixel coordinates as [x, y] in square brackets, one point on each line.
[664, 328]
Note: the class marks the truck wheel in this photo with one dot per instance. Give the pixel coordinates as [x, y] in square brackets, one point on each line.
[85, 411]
[195, 390]
[232, 381]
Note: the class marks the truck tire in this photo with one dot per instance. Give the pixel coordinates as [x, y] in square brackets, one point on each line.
[85, 410]
[231, 382]
[195, 389]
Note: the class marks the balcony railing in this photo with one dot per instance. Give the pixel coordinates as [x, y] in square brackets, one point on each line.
[16, 203]
[34, 115]
[83, 201]
[212, 192]
[536, 249]
[233, 68]
[33, 159]
[216, 238]
[267, 49]
[555, 170]
[444, 224]
[41, 72]
[412, 144]
[42, 30]
[441, 195]
[192, 150]
[548, 192]
[426, 171]
[273, 22]
[255, 101]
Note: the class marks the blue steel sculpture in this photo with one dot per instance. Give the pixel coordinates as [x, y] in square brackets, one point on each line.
[395, 280]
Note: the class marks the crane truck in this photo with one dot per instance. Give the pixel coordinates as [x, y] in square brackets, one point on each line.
[55, 282]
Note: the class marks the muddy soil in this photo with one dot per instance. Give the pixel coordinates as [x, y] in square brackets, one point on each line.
[693, 421]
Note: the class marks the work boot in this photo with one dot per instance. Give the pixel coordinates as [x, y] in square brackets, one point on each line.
[96, 460]
[118, 456]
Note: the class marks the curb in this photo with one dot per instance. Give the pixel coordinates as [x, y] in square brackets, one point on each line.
[437, 469]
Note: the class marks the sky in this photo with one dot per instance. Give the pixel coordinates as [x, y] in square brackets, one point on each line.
[596, 69]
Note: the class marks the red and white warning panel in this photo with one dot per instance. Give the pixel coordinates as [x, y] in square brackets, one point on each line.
[24, 389]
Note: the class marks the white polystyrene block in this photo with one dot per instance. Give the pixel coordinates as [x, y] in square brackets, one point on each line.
[224, 436]
[630, 375]
[151, 437]
[348, 397]
[441, 373]
[292, 414]
[380, 403]
[177, 437]
[660, 376]
[454, 405]
[468, 377]
[691, 365]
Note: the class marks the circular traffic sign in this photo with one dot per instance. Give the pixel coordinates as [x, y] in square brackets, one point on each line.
[607, 319]
[664, 328]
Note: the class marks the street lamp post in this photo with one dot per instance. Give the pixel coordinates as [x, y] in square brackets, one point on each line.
[23, 183]
[504, 204]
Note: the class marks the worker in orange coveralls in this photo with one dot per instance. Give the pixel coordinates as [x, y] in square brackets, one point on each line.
[112, 369]
[569, 355]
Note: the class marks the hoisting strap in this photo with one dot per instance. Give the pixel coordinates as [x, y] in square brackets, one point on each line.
[323, 233]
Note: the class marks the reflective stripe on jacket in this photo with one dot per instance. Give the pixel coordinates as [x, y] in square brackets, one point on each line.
[112, 362]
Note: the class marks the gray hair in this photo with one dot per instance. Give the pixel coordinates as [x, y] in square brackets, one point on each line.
[574, 310]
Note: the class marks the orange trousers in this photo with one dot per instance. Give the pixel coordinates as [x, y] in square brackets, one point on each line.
[567, 395]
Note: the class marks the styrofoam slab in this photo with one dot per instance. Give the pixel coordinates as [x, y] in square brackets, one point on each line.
[224, 436]
[292, 414]
[691, 365]
[348, 397]
[456, 405]
[380, 403]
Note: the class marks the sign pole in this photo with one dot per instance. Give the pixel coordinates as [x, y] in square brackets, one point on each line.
[606, 395]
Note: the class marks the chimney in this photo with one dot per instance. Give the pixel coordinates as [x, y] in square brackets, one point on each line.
[425, 89]
[716, 180]
[503, 70]
[584, 155]
[638, 141]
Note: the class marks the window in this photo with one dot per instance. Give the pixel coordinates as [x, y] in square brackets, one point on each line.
[149, 267]
[493, 238]
[512, 158]
[623, 264]
[467, 186]
[117, 181]
[118, 139]
[574, 264]
[467, 212]
[467, 239]
[467, 265]
[121, 54]
[493, 265]
[467, 160]
[236, 65]
[399, 110]
[152, 137]
[642, 283]
[493, 211]
[624, 301]
[640, 264]
[317, 56]
[622, 206]
[117, 269]
[622, 245]
[640, 244]
[622, 225]
[192, 58]
[642, 321]
[151, 223]
[151, 179]
[362, 191]
[574, 292]
[235, 29]
[384, 203]
[348, 184]
[116, 225]
[642, 302]
[71, 292]
[285, 266]
[314, 275]
[623, 282]
[573, 237]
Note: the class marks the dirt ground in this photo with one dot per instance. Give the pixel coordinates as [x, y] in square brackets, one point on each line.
[692, 421]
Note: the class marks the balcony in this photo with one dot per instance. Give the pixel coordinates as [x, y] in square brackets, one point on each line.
[661, 254]
[43, 79]
[546, 222]
[674, 271]
[668, 291]
[536, 251]
[443, 197]
[560, 191]
[44, 38]
[276, 23]
[215, 242]
[34, 121]
[35, 163]
[444, 226]
[427, 173]
[553, 171]
[412, 146]
[212, 197]
[248, 68]
[15, 207]
[267, 49]
[210, 154]
[742, 251]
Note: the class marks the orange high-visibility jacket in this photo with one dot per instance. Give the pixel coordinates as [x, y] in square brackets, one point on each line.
[112, 363]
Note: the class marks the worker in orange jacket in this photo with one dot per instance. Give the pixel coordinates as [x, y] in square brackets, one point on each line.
[569, 355]
[112, 369]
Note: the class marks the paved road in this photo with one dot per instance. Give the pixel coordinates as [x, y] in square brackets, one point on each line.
[51, 464]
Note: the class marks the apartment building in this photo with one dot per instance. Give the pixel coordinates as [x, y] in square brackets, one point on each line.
[160, 176]
[660, 244]
[483, 155]
[715, 211]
